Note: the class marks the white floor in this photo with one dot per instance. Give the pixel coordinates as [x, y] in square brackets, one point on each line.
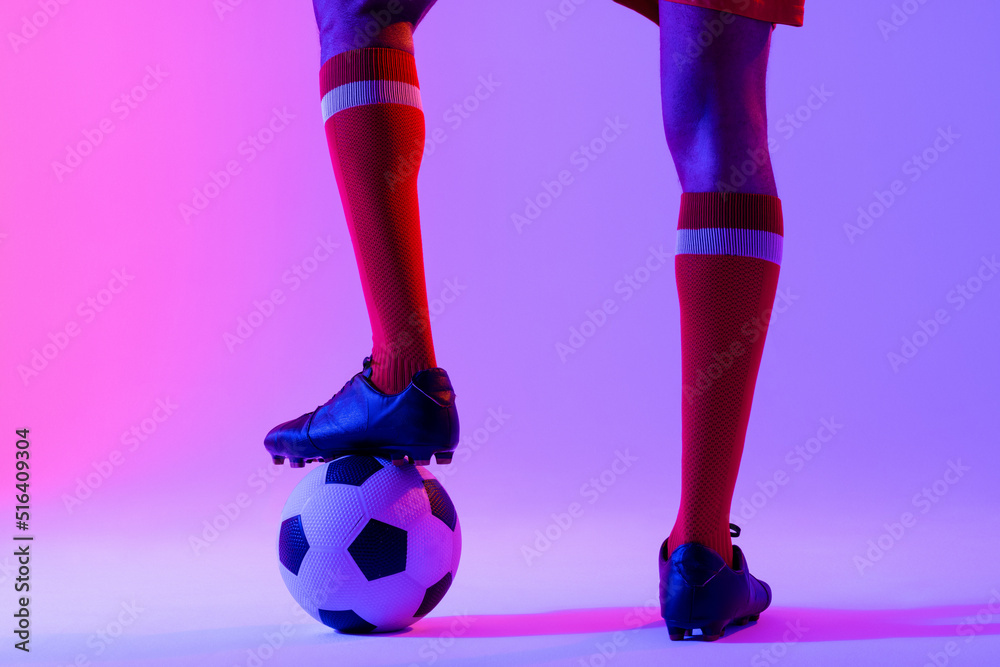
[157, 603]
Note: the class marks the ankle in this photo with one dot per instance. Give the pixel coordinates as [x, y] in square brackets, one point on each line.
[720, 543]
[393, 375]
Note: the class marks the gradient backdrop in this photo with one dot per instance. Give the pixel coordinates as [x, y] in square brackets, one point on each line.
[130, 348]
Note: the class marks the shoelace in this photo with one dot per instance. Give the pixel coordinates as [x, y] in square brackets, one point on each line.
[365, 365]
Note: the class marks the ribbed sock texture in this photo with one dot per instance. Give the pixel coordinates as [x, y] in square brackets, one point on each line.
[726, 292]
[375, 130]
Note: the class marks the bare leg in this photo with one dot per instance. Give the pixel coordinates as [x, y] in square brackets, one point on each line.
[354, 24]
[375, 130]
[729, 249]
[714, 108]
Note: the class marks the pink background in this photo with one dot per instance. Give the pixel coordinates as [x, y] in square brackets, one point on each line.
[161, 337]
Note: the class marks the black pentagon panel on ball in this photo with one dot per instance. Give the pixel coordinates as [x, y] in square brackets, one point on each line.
[292, 543]
[441, 505]
[353, 470]
[345, 621]
[433, 596]
[379, 550]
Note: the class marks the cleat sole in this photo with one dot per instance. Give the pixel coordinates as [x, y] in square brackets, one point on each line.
[706, 633]
[421, 455]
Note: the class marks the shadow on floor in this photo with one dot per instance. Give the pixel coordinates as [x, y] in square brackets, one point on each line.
[777, 624]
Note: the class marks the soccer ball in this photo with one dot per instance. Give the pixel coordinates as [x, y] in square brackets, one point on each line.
[368, 546]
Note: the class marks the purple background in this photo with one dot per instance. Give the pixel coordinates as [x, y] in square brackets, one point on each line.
[850, 302]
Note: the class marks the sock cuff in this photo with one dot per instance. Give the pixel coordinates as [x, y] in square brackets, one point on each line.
[372, 63]
[735, 210]
[743, 224]
[372, 75]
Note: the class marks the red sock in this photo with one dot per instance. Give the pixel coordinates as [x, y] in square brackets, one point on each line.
[375, 130]
[728, 256]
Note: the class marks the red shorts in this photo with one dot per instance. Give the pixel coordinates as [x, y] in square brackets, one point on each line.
[788, 12]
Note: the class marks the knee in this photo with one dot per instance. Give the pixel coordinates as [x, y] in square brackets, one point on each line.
[356, 24]
[714, 157]
[715, 120]
[712, 71]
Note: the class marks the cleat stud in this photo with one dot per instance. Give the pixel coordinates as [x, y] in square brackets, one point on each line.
[712, 632]
[296, 463]
[443, 458]
[676, 634]
[277, 460]
[421, 462]
[753, 617]
[398, 460]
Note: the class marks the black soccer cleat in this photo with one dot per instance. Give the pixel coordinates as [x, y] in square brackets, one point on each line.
[700, 594]
[419, 422]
